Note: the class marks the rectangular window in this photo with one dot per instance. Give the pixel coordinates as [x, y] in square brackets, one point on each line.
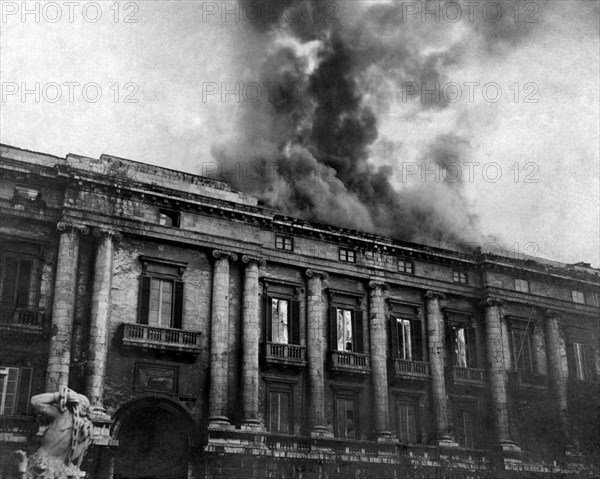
[408, 422]
[406, 339]
[592, 299]
[522, 285]
[522, 350]
[19, 277]
[465, 427]
[459, 277]
[578, 297]
[283, 320]
[161, 294]
[464, 347]
[284, 242]
[405, 266]
[347, 255]
[346, 330]
[15, 390]
[346, 417]
[279, 412]
[579, 357]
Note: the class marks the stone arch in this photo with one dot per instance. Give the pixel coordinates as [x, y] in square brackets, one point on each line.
[155, 437]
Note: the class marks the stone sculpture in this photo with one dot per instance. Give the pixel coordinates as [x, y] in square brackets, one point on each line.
[64, 442]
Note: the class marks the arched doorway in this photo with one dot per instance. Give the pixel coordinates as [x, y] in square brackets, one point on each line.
[153, 441]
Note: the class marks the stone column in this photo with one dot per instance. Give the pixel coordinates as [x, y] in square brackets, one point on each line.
[59, 357]
[436, 336]
[315, 350]
[250, 340]
[378, 338]
[558, 381]
[219, 338]
[497, 373]
[100, 317]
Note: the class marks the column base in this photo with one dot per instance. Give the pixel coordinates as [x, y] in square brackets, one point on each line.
[508, 446]
[446, 441]
[320, 431]
[219, 422]
[251, 425]
[385, 437]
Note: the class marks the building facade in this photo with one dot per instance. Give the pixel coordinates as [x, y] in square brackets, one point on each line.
[222, 339]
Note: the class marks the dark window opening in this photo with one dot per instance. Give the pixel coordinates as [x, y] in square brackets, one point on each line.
[346, 330]
[169, 218]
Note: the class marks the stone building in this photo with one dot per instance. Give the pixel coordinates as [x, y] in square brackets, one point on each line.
[223, 339]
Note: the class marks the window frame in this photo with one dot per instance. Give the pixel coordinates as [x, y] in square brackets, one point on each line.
[406, 266]
[22, 389]
[473, 410]
[287, 242]
[21, 252]
[416, 337]
[460, 277]
[347, 255]
[402, 401]
[591, 299]
[357, 325]
[173, 215]
[471, 347]
[280, 389]
[523, 330]
[580, 360]
[578, 297]
[157, 269]
[521, 285]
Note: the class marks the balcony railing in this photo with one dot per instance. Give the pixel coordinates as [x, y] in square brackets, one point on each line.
[411, 369]
[144, 336]
[532, 380]
[280, 353]
[471, 376]
[21, 319]
[350, 362]
[18, 424]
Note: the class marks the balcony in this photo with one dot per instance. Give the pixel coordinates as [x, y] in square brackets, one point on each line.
[347, 362]
[21, 320]
[468, 376]
[166, 339]
[526, 379]
[285, 354]
[411, 369]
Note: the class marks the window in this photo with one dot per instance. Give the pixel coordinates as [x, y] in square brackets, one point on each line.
[466, 426]
[407, 339]
[346, 330]
[578, 297]
[15, 390]
[345, 414]
[283, 320]
[161, 296]
[347, 255]
[405, 266]
[279, 412]
[463, 344]
[408, 422]
[459, 277]
[169, 218]
[522, 349]
[579, 357]
[284, 242]
[592, 299]
[522, 285]
[19, 276]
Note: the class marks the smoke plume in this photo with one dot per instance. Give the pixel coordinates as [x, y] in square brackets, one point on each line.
[314, 146]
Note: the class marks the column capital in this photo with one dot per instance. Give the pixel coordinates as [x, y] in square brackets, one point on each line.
[259, 260]
[221, 254]
[491, 302]
[552, 314]
[435, 294]
[313, 272]
[108, 233]
[67, 225]
[378, 284]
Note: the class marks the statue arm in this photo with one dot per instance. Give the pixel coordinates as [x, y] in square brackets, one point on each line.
[46, 404]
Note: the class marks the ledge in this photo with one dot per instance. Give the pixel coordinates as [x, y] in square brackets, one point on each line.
[350, 363]
[285, 354]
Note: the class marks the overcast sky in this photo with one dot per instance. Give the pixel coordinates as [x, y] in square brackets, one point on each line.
[531, 128]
